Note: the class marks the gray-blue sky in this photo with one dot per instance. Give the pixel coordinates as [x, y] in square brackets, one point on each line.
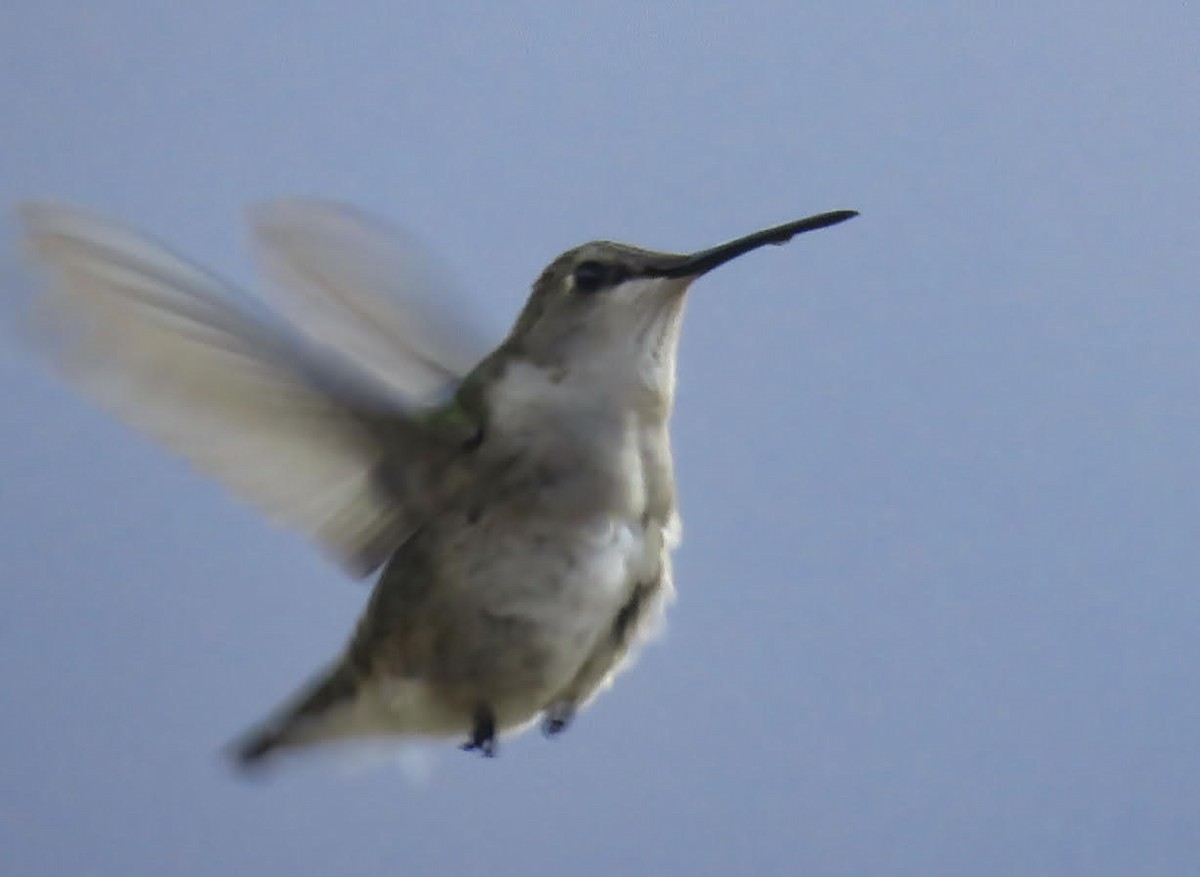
[939, 581]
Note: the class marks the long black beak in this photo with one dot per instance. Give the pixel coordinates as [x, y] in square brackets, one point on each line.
[706, 260]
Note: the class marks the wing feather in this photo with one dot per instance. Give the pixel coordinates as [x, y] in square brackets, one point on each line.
[163, 344]
[360, 287]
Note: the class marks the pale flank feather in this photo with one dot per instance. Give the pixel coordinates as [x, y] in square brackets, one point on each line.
[359, 287]
[161, 344]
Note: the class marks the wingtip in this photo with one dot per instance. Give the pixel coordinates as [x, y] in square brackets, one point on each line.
[37, 213]
[285, 213]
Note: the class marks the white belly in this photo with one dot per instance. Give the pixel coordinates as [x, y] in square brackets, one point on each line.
[609, 561]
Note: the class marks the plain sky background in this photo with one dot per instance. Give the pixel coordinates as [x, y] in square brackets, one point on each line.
[940, 583]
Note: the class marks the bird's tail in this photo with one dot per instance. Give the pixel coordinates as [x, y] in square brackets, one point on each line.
[302, 722]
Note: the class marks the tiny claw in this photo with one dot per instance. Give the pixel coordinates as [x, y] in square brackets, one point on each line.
[556, 719]
[486, 748]
[483, 733]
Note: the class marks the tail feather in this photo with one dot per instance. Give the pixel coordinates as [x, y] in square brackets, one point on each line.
[298, 723]
[250, 751]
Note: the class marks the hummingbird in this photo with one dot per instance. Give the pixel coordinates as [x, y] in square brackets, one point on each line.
[518, 507]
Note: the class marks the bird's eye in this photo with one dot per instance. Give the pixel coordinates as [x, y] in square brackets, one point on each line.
[591, 276]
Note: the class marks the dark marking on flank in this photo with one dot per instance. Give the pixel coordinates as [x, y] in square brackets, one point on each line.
[629, 613]
[474, 442]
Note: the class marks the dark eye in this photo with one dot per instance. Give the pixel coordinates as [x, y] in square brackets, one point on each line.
[593, 276]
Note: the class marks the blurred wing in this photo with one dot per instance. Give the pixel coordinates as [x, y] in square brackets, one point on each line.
[358, 286]
[158, 342]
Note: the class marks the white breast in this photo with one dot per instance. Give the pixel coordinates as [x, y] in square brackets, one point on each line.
[593, 511]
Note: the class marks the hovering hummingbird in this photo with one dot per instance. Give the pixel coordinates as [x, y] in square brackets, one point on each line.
[522, 508]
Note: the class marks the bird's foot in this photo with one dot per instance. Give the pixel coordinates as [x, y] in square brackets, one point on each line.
[556, 718]
[483, 733]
